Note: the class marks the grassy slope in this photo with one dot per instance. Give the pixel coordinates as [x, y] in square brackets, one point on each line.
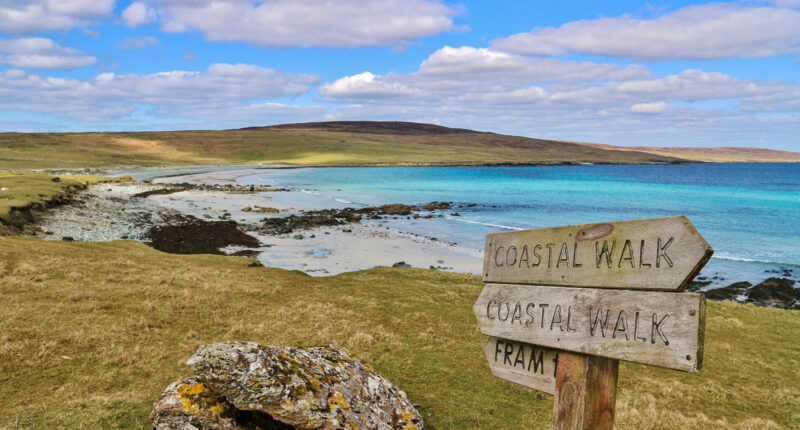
[292, 146]
[30, 188]
[90, 333]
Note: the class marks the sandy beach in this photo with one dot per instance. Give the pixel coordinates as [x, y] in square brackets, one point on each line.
[322, 251]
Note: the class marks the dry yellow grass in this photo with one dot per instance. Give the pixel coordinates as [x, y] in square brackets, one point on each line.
[91, 333]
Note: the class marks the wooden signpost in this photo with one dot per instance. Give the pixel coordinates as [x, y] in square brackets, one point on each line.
[563, 305]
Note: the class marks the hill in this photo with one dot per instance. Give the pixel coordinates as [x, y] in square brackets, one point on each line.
[337, 143]
[331, 143]
[717, 154]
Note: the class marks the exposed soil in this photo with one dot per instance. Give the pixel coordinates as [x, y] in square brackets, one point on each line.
[189, 235]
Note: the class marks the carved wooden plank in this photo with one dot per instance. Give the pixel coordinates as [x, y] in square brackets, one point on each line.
[586, 394]
[650, 327]
[529, 365]
[648, 254]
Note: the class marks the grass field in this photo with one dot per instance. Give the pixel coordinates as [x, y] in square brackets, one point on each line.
[91, 333]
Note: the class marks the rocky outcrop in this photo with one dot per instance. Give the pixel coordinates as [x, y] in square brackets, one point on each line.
[773, 292]
[240, 385]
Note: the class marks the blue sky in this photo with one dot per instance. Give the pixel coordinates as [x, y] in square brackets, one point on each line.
[671, 73]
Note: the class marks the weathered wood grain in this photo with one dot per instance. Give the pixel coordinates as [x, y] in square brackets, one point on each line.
[658, 328]
[648, 254]
[586, 392]
[530, 365]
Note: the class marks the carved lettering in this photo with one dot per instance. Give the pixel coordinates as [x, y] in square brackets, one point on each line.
[497, 252]
[529, 310]
[641, 256]
[604, 251]
[662, 253]
[656, 329]
[557, 314]
[594, 323]
[626, 254]
[517, 314]
[524, 256]
[563, 256]
[520, 357]
[536, 254]
[508, 310]
[543, 306]
[509, 261]
[621, 326]
[488, 307]
[550, 254]
[575, 256]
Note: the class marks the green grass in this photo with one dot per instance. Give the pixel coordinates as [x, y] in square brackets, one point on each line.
[296, 146]
[91, 333]
[27, 188]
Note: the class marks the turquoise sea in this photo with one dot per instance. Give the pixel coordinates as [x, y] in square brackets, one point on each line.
[749, 212]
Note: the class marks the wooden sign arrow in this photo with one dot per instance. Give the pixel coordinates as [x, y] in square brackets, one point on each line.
[529, 365]
[664, 329]
[648, 254]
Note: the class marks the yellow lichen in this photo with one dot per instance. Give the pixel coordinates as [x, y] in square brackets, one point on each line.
[338, 400]
[196, 397]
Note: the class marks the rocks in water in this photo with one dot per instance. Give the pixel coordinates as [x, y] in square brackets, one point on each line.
[777, 292]
[773, 292]
[432, 206]
[731, 292]
[238, 385]
[334, 217]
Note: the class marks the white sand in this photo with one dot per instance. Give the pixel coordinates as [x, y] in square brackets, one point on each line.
[321, 251]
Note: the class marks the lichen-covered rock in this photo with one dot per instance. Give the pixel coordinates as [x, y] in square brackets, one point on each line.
[189, 404]
[313, 388]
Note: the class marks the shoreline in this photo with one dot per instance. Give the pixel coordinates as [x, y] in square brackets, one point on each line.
[319, 251]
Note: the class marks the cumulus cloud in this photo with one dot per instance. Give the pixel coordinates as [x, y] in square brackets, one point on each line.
[486, 83]
[138, 13]
[41, 53]
[33, 16]
[299, 23]
[717, 30]
[110, 95]
[466, 72]
[141, 42]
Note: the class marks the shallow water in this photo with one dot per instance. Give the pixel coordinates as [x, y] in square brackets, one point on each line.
[749, 212]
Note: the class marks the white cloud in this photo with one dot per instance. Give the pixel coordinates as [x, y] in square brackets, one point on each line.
[301, 23]
[138, 13]
[466, 72]
[41, 53]
[656, 107]
[109, 95]
[717, 30]
[32, 16]
[141, 42]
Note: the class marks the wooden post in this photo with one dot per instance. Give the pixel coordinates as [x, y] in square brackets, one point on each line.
[586, 392]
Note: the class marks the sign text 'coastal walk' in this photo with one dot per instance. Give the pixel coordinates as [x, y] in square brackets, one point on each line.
[649, 327]
[650, 254]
